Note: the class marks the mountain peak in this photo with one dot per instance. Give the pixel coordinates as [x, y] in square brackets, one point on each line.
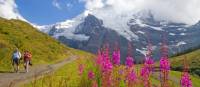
[92, 20]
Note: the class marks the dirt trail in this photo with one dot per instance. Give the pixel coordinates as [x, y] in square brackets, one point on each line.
[15, 79]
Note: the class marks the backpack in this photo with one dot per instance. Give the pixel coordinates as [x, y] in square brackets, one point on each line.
[16, 55]
[27, 56]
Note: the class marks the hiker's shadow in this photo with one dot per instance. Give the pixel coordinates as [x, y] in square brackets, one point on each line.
[6, 72]
[11, 72]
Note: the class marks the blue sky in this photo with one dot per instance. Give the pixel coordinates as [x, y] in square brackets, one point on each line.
[44, 12]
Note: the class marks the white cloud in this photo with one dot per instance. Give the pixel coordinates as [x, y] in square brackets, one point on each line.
[56, 4]
[69, 5]
[8, 10]
[185, 11]
[93, 4]
[62, 4]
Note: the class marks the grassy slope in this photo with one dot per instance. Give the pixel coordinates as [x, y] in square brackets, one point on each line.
[193, 59]
[15, 33]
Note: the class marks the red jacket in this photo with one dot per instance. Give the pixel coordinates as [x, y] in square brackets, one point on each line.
[27, 56]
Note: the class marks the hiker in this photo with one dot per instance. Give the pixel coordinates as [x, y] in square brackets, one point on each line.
[16, 60]
[27, 59]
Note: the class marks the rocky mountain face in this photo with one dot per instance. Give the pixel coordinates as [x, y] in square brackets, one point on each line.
[89, 33]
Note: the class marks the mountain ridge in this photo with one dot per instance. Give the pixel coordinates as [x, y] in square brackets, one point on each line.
[177, 34]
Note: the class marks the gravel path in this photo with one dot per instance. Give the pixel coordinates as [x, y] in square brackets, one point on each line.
[15, 79]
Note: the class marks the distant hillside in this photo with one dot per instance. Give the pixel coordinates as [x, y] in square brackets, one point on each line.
[193, 59]
[15, 33]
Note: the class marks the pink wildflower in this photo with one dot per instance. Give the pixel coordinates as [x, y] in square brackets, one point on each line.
[164, 64]
[107, 66]
[149, 63]
[131, 76]
[145, 72]
[103, 61]
[129, 61]
[185, 80]
[81, 69]
[116, 57]
[91, 75]
[99, 58]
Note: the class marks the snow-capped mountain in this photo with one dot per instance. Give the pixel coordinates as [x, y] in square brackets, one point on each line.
[89, 32]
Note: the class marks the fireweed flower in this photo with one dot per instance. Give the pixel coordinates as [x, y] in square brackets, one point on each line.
[145, 72]
[116, 57]
[91, 75]
[105, 54]
[107, 66]
[131, 76]
[81, 69]
[99, 59]
[149, 63]
[185, 80]
[103, 61]
[164, 64]
[129, 61]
